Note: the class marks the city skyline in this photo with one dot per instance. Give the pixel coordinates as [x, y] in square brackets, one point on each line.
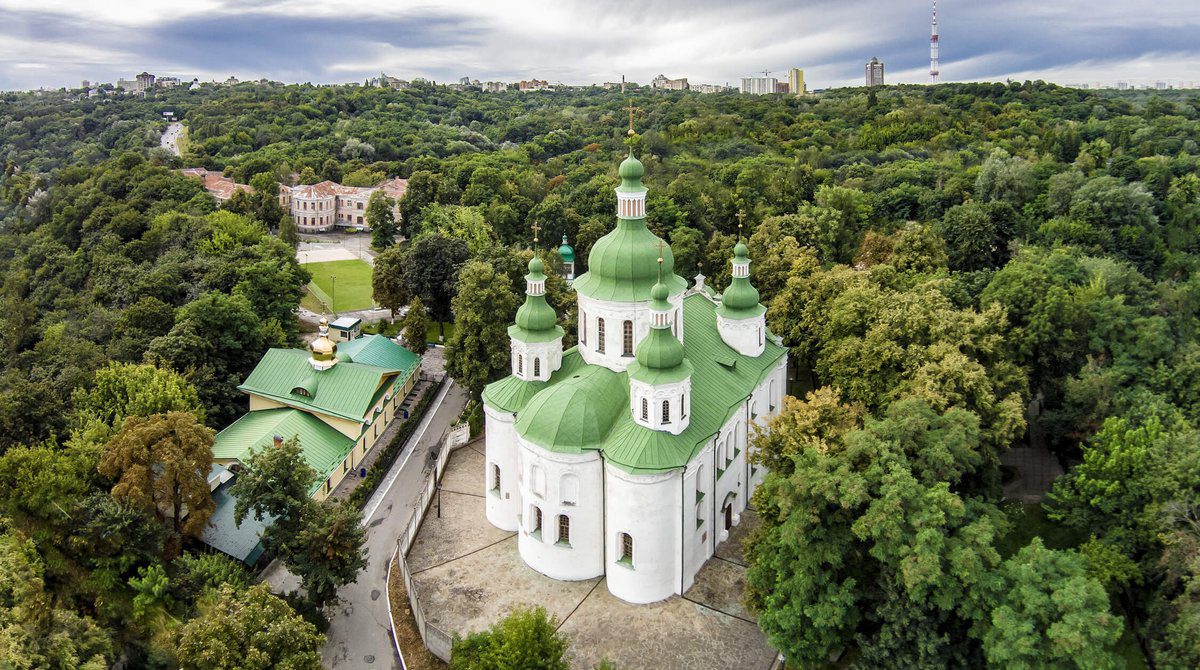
[707, 42]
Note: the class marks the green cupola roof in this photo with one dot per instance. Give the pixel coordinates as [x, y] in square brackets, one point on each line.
[659, 357]
[631, 172]
[740, 300]
[565, 252]
[536, 320]
[623, 265]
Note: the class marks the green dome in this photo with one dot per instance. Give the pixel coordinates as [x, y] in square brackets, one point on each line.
[631, 168]
[565, 252]
[576, 413]
[536, 315]
[740, 300]
[536, 267]
[623, 265]
[660, 350]
[659, 294]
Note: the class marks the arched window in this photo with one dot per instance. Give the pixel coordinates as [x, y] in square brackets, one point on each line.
[537, 520]
[537, 367]
[666, 413]
[760, 337]
[495, 477]
[582, 327]
[600, 335]
[645, 410]
[520, 364]
[771, 394]
[683, 406]
[627, 339]
[564, 529]
[625, 542]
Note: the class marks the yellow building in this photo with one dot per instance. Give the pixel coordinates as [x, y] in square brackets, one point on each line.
[337, 398]
[796, 81]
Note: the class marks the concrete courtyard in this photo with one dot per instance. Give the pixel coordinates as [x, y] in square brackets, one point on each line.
[468, 576]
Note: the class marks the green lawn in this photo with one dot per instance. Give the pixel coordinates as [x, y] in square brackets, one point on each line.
[351, 290]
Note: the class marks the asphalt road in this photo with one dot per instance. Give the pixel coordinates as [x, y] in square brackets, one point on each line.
[170, 138]
[359, 635]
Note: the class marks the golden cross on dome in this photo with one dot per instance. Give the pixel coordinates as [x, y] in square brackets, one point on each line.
[536, 227]
[741, 217]
[660, 259]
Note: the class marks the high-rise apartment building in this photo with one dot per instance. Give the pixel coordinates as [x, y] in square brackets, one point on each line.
[662, 82]
[796, 81]
[875, 72]
[759, 85]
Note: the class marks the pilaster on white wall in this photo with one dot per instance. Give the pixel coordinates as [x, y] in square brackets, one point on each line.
[562, 485]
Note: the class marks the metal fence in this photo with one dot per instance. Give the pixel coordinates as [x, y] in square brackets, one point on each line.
[436, 640]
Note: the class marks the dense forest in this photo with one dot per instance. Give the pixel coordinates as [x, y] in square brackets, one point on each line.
[958, 270]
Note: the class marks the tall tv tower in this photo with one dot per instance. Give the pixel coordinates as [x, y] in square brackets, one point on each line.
[934, 75]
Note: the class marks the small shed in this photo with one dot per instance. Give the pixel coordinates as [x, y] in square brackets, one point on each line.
[346, 328]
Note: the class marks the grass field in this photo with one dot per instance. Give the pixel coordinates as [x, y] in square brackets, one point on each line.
[350, 291]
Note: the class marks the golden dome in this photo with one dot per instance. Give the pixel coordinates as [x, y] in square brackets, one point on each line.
[324, 350]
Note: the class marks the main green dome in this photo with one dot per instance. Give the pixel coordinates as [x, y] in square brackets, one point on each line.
[623, 265]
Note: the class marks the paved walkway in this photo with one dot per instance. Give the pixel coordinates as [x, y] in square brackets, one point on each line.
[469, 575]
[359, 634]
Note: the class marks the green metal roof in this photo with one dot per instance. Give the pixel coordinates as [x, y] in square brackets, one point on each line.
[345, 390]
[721, 381]
[623, 265]
[242, 542]
[381, 352]
[577, 412]
[536, 320]
[322, 445]
[565, 252]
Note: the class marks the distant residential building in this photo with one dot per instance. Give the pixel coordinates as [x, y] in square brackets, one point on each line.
[661, 81]
[145, 82]
[796, 81]
[85, 84]
[759, 85]
[318, 208]
[782, 87]
[231, 81]
[127, 85]
[709, 88]
[1122, 86]
[1160, 85]
[464, 81]
[534, 85]
[221, 187]
[494, 87]
[167, 82]
[874, 72]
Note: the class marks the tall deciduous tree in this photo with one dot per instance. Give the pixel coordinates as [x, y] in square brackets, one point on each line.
[249, 629]
[388, 288]
[160, 464]
[328, 552]
[430, 270]
[274, 484]
[289, 234]
[485, 305]
[128, 389]
[381, 220]
[416, 327]
[1048, 613]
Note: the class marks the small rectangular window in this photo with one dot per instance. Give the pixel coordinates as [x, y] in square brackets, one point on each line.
[564, 529]
[626, 541]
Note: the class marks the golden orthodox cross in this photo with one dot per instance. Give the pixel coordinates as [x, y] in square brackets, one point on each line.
[536, 227]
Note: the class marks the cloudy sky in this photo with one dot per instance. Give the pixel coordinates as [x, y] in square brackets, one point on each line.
[55, 43]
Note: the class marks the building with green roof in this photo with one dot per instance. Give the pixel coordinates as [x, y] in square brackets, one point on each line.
[625, 456]
[336, 398]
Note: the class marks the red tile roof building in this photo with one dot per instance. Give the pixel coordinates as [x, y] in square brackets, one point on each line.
[318, 208]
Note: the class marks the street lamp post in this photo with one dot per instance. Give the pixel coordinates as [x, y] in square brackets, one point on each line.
[333, 298]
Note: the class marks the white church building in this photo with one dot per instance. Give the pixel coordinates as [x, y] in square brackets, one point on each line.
[626, 456]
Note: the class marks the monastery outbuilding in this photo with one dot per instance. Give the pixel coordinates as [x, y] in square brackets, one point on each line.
[626, 455]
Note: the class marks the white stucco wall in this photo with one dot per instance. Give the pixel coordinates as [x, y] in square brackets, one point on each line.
[746, 336]
[615, 314]
[548, 353]
[679, 409]
[500, 439]
[562, 484]
[647, 507]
